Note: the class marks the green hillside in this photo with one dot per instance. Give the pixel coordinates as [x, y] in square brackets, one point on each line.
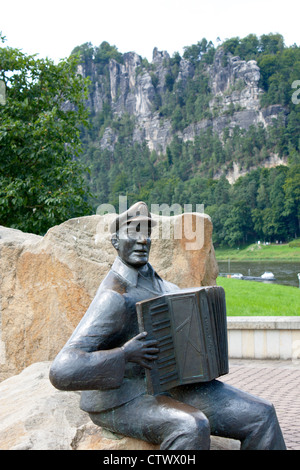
[217, 126]
[255, 251]
[264, 204]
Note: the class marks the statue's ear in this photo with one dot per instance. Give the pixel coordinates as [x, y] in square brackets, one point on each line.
[115, 241]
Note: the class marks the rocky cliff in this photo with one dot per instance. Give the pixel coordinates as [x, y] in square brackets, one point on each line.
[137, 88]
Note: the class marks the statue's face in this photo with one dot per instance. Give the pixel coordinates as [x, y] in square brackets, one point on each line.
[133, 244]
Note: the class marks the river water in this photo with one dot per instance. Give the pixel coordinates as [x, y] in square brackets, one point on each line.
[285, 272]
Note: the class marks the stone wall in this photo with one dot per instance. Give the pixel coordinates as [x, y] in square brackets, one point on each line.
[264, 337]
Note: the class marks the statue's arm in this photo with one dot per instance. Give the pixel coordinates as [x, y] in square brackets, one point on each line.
[86, 362]
[74, 369]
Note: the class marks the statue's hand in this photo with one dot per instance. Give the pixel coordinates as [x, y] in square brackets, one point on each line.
[140, 351]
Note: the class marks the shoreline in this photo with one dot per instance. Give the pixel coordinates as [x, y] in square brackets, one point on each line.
[255, 252]
[285, 260]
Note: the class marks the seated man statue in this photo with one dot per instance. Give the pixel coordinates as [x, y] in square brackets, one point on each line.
[106, 358]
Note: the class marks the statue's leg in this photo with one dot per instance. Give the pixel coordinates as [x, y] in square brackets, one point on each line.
[160, 420]
[235, 414]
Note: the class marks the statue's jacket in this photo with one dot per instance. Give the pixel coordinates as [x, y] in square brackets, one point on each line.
[92, 360]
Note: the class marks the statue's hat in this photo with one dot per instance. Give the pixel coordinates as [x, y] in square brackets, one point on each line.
[137, 213]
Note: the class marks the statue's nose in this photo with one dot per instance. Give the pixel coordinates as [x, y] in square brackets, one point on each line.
[142, 239]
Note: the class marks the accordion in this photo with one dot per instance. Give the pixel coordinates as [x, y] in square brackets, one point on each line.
[191, 329]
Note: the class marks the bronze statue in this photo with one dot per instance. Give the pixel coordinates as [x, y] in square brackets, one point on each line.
[106, 358]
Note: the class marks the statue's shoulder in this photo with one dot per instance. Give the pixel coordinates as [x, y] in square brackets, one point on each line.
[114, 283]
[169, 287]
[109, 299]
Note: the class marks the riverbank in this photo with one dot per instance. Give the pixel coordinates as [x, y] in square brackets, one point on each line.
[250, 298]
[259, 252]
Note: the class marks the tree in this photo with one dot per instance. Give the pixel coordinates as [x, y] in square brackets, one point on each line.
[248, 47]
[86, 54]
[41, 180]
[292, 198]
[264, 204]
[271, 43]
[237, 224]
[105, 52]
[195, 52]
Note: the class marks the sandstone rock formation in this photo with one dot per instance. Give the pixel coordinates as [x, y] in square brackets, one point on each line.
[235, 98]
[234, 101]
[36, 416]
[47, 283]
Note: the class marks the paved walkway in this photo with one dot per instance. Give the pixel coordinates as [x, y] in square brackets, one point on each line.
[278, 382]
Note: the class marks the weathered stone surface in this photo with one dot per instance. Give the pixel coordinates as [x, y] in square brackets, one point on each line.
[47, 283]
[36, 416]
[235, 81]
[139, 90]
[178, 256]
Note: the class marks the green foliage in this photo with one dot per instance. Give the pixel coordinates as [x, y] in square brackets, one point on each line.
[251, 46]
[99, 55]
[41, 179]
[41, 182]
[295, 243]
[279, 68]
[203, 50]
[105, 52]
[257, 252]
[278, 72]
[262, 205]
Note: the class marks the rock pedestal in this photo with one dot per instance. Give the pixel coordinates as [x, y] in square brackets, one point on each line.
[36, 416]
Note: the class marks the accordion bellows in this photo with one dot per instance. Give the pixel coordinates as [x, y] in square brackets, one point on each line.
[191, 329]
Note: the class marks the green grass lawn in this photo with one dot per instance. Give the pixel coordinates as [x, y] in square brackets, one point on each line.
[259, 252]
[250, 298]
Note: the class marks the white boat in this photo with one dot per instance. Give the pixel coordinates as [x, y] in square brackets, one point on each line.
[237, 276]
[267, 275]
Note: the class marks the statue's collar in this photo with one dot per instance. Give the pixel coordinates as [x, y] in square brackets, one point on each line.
[129, 273]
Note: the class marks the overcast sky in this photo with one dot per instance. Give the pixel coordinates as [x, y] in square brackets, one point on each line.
[54, 28]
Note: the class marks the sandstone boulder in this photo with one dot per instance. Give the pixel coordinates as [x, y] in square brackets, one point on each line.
[47, 283]
[36, 416]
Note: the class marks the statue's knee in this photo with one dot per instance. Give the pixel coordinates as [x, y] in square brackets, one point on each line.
[203, 425]
[197, 426]
[270, 412]
[265, 415]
